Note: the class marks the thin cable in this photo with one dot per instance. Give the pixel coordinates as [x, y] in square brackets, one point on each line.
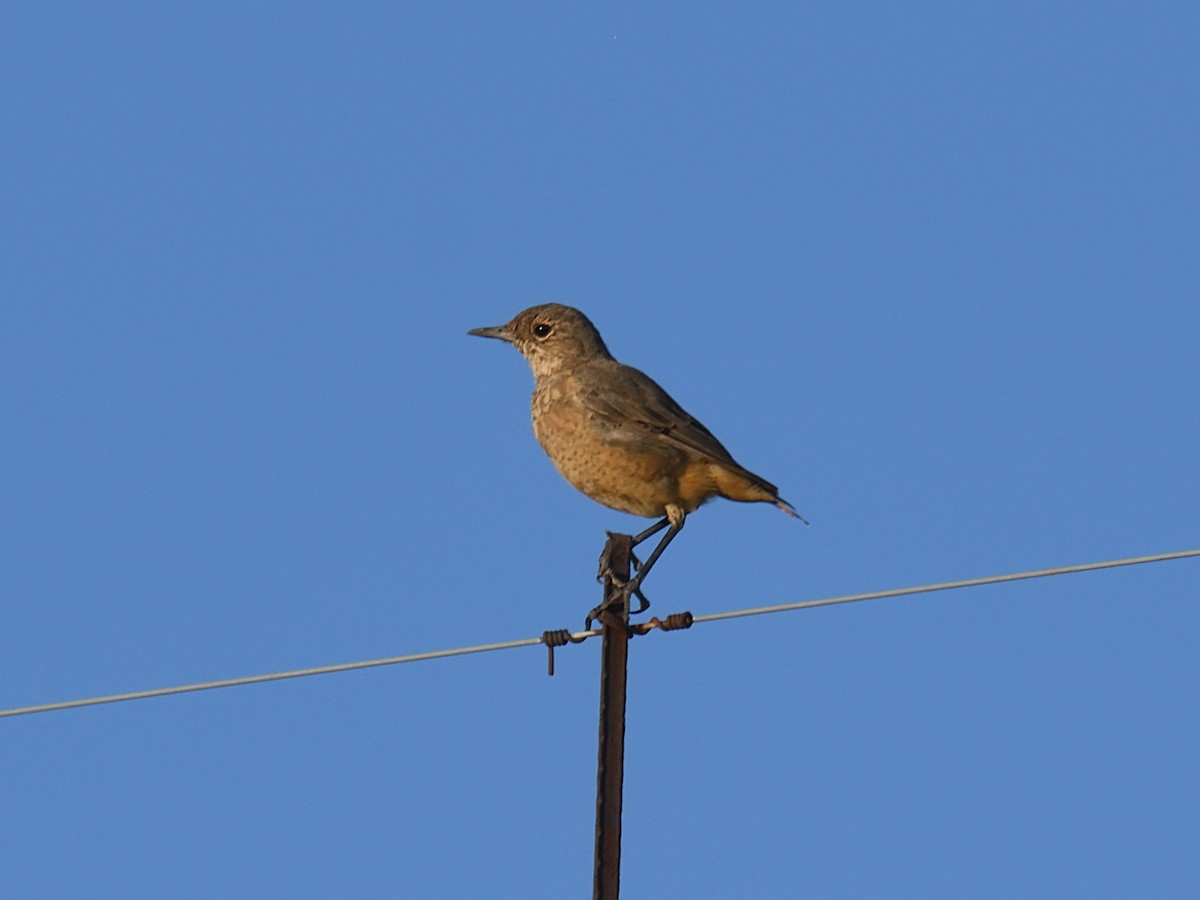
[583, 635]
[946, 586]
[274, 676]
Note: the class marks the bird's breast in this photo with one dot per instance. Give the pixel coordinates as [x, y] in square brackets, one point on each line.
[621, 467]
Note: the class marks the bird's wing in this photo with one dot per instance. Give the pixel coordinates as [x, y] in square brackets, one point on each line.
[628, 400]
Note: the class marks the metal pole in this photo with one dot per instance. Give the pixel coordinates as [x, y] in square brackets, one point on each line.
[610, 770]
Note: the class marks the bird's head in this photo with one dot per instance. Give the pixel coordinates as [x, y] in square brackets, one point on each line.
[552, 337]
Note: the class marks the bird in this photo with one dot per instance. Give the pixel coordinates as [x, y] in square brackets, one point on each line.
[618, 437]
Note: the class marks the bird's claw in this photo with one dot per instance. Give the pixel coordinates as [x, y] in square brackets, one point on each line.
[624, 590]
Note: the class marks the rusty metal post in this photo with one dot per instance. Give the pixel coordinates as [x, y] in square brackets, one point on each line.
[610, 770]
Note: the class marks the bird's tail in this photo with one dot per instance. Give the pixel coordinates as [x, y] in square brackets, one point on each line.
[736, 483]
[789, 509]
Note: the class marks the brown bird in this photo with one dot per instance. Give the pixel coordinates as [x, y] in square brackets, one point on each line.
[617, 436]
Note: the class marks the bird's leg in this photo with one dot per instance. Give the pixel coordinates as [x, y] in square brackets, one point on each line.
[634, 584]
[633, 587]
[651, 531]
[675, 519]
[637, 539]
[605, 571]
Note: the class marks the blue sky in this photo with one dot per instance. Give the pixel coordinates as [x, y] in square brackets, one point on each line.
[932, 269]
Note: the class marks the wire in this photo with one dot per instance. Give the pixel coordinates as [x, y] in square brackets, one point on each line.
[946, 586]
[274, 676]
[583, 635]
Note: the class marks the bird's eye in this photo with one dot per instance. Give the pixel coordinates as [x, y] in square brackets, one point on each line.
[542, 330]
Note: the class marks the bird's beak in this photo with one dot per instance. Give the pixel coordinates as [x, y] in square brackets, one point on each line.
[500, 332]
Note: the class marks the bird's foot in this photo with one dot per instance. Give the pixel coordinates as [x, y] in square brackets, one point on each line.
[625, 590]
